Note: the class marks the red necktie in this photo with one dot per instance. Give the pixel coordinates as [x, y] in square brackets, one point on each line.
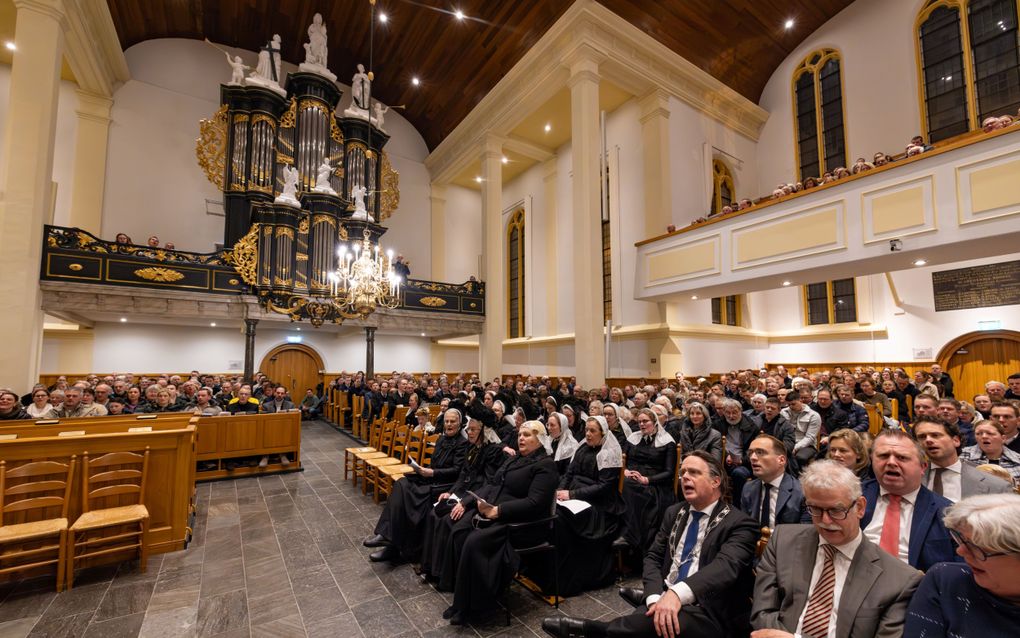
[890, 539]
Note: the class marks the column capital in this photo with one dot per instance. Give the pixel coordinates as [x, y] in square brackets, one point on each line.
[94, 106]
[437, 193]
[492, 147]
[53, 8]
[654, 104]
[583, 62]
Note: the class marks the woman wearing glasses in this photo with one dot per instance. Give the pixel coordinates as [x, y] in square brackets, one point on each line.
[981, 598]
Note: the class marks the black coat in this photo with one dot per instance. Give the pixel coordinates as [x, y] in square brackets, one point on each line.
[478, 467]
[748, 430]
[779, 428]
[705, 438]
[724, 582]
[833, 418]
[448, 458]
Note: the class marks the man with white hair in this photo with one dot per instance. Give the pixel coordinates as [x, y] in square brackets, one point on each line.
[828, 579]
[996, 390]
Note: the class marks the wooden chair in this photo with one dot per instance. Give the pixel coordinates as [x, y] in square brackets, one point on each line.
[398, 449]
[385, 476]
[357, 420]
[428, 450]
[349, 453]
[360, 458]
[38, 489]
[120, 476]
[759, 548]
[875, 420]
[676, 470]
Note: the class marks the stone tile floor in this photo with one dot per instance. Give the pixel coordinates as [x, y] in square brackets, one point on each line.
[273, 556]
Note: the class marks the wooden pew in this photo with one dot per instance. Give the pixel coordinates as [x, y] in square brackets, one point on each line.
[169, 489]
[221, 438]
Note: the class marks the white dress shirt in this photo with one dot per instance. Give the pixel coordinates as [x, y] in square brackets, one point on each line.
[874, 529]
[773, 499]
[681, 589]
[841, 560]
[952, 480]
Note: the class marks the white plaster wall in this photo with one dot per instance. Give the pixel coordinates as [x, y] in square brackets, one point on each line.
[63, 147]
[879, 67]
[146, 348]
[463, 231]
[154, 184]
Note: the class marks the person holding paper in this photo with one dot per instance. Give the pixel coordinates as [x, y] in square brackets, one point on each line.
[399, 531]
[584, 539]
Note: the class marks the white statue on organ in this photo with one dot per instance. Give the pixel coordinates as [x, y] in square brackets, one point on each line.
[237, 67]
[378, 111]
[322, 179]
[316, 51]
[360, 212]
[360, 92]
[267, 72]
[289, 195]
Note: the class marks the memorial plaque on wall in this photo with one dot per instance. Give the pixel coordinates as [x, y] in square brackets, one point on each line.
[977, 287]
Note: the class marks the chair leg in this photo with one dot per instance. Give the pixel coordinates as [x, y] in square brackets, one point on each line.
[143, 549]
[69, 570]
[61, 558]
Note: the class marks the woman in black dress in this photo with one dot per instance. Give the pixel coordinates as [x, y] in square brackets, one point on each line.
[648, 482]
[522, 490]
[562, 444]
[620, 429]
[575, 421]
[584, 540]
[399, 530]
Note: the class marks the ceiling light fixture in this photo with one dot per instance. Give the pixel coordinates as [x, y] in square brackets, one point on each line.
[459, 14]
[505, 160]
[10, 45]
[786, 283]
[920, 262]
[548, 127]
[694, 297]
[383, 18]
[123, 319]
[788, 24]
[478, 179]
[423, 334]
[212, 325]
[415, 81]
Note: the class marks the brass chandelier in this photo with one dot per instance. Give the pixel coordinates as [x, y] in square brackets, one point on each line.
[364, 279]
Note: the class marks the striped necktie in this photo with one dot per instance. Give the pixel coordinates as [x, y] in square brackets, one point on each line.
[819, 606]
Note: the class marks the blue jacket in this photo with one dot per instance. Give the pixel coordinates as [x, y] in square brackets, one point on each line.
[929, 540]
[856, 416]
[790, 504]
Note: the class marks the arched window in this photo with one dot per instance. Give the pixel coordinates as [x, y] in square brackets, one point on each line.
[969, 60]
[722, 186]
[515, 274]
[818, 114]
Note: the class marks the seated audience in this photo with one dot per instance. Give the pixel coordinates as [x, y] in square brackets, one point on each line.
[947, 475]
[903, 517]
[857, 418]
[115, 406]
[40, 407]
[949, 412]
[244, 403]
[806, 426]
[310, 406]
[772, 422]
[583, 539]
[697, 573]
[869, 396]
[739, 431]
[991, 449]
[10, 406]
[400, 527]
[278, 401]
[648, 479]
[561, 441]
[833, 418]
[617, 425]
[829, 579]
[697, 433]
[981, 598]
[163, 403]
[847, 448]
[522, 490]
[73, 406]
[996, 391]
[203, 405]
[1007, 414]
[774, 496]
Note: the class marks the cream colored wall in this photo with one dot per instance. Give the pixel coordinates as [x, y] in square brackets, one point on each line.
[463, 231]
[67, 351]
[63, 155]
[877, 42]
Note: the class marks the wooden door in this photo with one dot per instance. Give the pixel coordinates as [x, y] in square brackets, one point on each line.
[295, 366]
[975, 358]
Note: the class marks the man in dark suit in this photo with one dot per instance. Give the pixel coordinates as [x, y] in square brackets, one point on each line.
[774, 497]
[278, 401]
[773, 423]
[903, 517]
[947, 475]
[808, 572]
[697, 573]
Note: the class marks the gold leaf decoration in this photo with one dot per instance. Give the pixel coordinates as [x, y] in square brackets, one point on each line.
[246, 255]
[289, 118]
[433, 302]
[161, 275]
[211, 146]
[303, 224]
[334, 130]
[233, 282]
[389, 198]
[75, 267]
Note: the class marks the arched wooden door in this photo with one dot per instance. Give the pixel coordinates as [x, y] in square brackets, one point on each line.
[977, 357]
[296, 366]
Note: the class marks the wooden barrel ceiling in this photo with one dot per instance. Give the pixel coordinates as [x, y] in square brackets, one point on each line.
[740, 42]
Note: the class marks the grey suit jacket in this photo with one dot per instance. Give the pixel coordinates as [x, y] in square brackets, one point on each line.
[973, 481]
[873, 603]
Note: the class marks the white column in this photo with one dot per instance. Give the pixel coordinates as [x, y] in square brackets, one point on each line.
[589, 352]
[25, 184]
[490, 350]
[90, 161]
[655, 152]
[437, 198]
[549, 171]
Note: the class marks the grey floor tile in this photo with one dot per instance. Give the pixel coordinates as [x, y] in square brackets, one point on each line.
[381, 617]
[69, 626]
[122, 627]
[170, 623]
[225, 612]
[125, 600]
[18, 628]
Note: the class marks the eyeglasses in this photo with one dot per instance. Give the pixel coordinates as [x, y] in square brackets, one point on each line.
[835, 513]
[977, 552]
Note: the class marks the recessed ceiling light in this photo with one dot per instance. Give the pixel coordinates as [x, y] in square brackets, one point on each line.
[299, 329]
[415, 81]
[123, 319]
[505, 160]
[423, 334]
[458, 14]
[786, 283]
[478, 179]
[10, 45]
[212, 324]
[788, 24]
[383, 18]
[920, 262]
[695, 297]
[548, 127]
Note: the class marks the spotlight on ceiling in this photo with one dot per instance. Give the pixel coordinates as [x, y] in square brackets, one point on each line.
[786, 283]
[212, 324]
[10, 45]
[548, 127]
[506, 160]
[478, 179]
[920, 262]
[415, 81]
[423, 334]
[123, 319]
[694, 297]
[459, 14]
[788, 24]
[383, 18]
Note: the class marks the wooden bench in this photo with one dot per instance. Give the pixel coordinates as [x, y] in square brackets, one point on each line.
[223, 438]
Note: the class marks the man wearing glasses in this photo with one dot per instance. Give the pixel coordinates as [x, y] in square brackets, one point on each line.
[828, 579]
